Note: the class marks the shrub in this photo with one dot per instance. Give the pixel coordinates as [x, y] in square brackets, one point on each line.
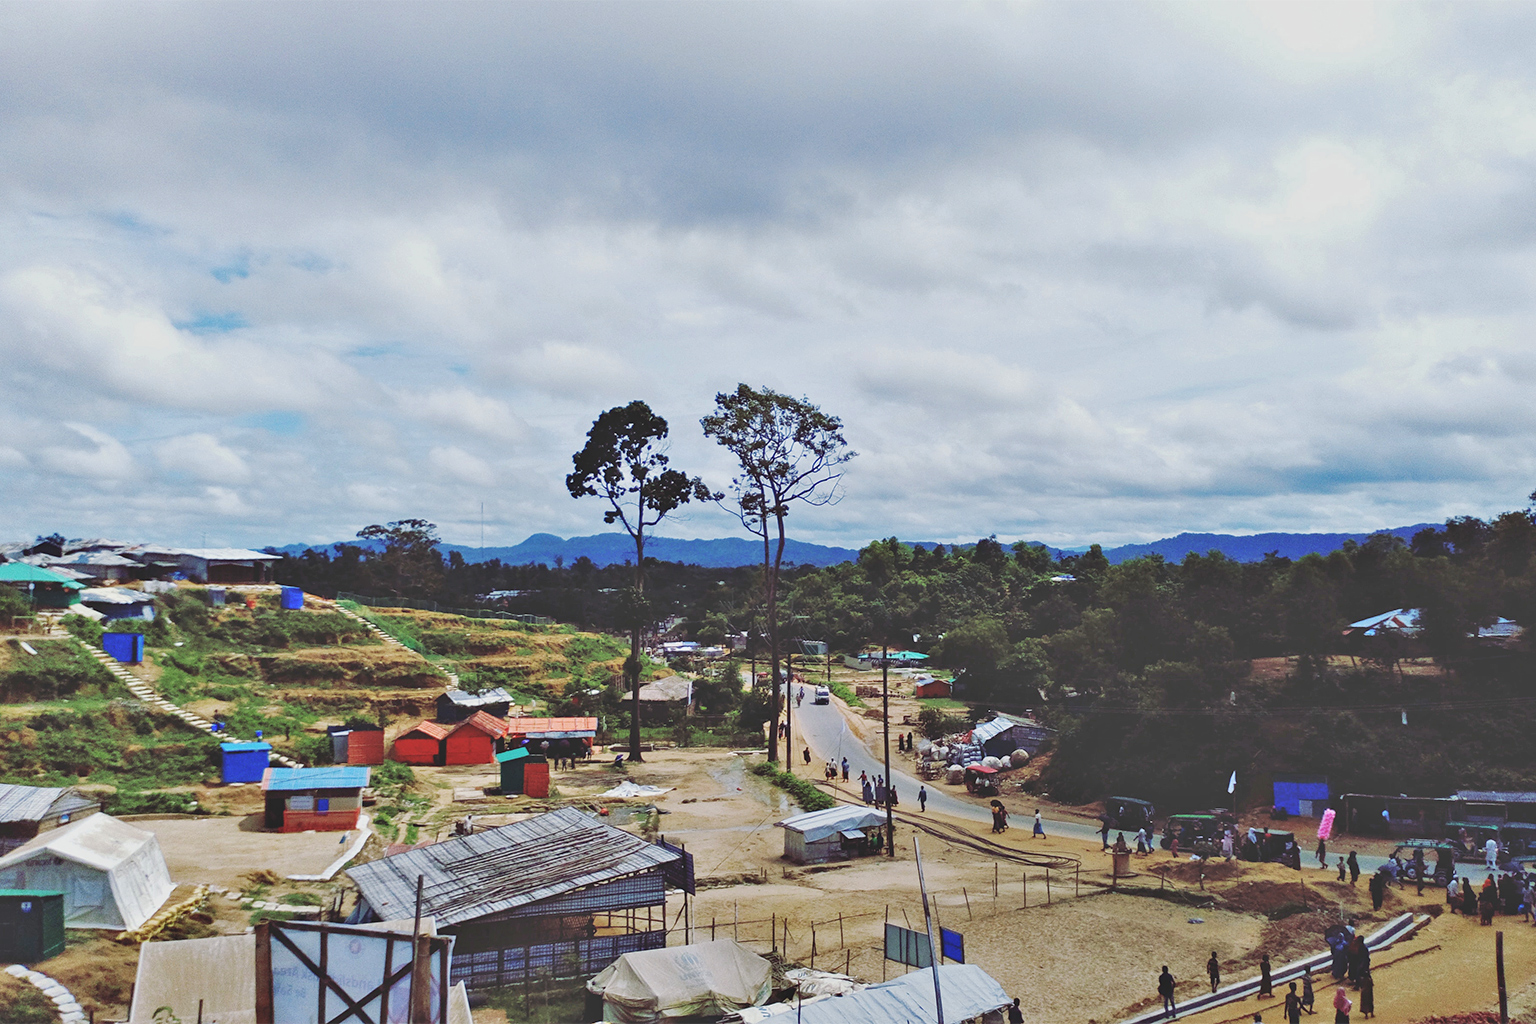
[392, 774]
[806, 795]
[153, 802]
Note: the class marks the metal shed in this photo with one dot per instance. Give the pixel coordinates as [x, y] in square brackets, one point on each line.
[473, 741]
[365, 746]
[127, 648]
[422, 744]
[244, 762]
[830, 834]
[457, 705]
[27, 811]
[31, 924]
[557, 895]
[511, 763]
[317, 799]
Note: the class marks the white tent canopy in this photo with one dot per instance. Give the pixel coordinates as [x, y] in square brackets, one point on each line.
[112, 875]
[704, 979]
[970, 993]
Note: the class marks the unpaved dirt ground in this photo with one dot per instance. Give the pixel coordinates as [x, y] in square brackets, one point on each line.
[220, 851]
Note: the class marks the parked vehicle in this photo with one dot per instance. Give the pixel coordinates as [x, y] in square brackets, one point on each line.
[1469, 838]
[1191, 828]
[1439, 859]
[981, 780]
[1128, 812]
[1519, 838]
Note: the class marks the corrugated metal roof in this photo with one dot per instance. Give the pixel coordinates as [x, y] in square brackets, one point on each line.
[477, 700]
[485, 722]
[34, 803]
[503, 868]
[217, 554]
[285, 780]
[669, 688]
[116, 595]
[1496, 796]
[511, 755]
[557, 728]
[431, 729]
[818, 825]
[986, 730]
[20, 572]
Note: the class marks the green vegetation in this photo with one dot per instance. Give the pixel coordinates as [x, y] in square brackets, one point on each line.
[153, 802]
[121, 743]
[841, 691]
[806, 795]
[302, 899]
[546, 1002]
[59, 670]
[29, 1007]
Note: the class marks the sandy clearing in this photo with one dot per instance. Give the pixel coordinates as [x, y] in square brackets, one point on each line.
[219, 852]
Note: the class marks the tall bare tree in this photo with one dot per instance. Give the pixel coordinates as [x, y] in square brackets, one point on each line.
[625, 463]
[788, 451]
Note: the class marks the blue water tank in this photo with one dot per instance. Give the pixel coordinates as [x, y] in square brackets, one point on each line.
[293, 598]
[125, 647]
[244, 762]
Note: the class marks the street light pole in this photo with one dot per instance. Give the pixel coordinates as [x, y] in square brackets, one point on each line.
[885, 701]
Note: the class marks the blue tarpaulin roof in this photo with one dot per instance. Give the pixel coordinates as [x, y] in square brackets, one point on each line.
[511, 755]
[339, 777]
[235, 748]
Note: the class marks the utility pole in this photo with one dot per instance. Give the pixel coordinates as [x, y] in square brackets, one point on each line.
[934, 955]
[885, 702]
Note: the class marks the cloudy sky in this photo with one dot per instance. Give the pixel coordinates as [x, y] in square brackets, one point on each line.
[1067, 271]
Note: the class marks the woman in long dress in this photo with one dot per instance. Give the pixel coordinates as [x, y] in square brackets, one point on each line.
[1266, 983]
[1367, 995]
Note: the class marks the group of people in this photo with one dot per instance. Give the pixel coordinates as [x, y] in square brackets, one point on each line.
[1297, 1002]
[876, 793]
[1512, 893]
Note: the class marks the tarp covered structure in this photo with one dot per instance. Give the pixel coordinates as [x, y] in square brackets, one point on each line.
[969, 993]
[705, 979]
[112, 875]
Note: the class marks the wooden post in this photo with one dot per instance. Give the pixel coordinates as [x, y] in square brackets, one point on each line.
[735, 921]
[994, 881]
[773, 932]
[847, 963]
[421, 981]
[1047, 886]
[263, 973]
[1498, 955]
[1077, 877]
[711, 927]
[968, 915]
[813, 945]
[841, 941]
[1024, 887]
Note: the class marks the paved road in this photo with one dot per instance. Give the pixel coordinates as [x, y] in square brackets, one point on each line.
[823, 728]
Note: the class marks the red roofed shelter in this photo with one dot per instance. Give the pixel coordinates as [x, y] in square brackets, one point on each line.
[421, 745]
[473, 741]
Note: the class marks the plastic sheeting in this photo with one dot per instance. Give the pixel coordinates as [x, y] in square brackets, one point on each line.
[112, 874]
[704, 979]
[969, 993]
[627, 790]
[819, 825]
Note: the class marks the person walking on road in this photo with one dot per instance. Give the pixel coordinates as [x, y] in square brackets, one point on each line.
[845, 769]
[1367, 995]
[1266, 980]
[922, 799]
[1040, 831]
[1308, 997]
[1213, 968]
[1104, 832]
[1015, 1015]
[1322, 853]
[1491, 854]
[1165, 989]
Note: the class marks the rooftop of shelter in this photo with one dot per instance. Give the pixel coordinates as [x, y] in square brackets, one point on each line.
[31, 803]
[285, 780]
[504, 868]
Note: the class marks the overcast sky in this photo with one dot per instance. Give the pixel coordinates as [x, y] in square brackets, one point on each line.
[1070, 272]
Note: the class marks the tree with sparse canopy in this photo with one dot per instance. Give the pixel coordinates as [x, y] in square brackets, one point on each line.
[788, 451]
[410, 563]
[625, 463]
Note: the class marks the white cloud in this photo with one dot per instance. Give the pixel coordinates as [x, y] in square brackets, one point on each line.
[202, 457]
[457, 464]
[465, 410]
[108, 460]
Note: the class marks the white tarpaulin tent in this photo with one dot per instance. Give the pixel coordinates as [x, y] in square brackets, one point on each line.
[112, 875]
[704, 979]
[970, 994]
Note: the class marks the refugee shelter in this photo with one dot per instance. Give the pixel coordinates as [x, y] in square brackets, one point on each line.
[100, 566]
[112, 875]
[1006, 733]
[702, 980]
[473, 741]
[557, 895]
[31, 925]
[553, 737]
[1305, 795]
[243, 762]
[928, 686]
[970, 994]
[119, 603]
[421, 744]
[365, 746]
[314, 799]
[835, 833]
[457, 705]
[218, 977]
[1397, 622]
[47, 588]
[28, 811]
[215, 565]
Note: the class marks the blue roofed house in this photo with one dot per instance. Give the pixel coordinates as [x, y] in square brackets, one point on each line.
[314, 799]
[1303, 795]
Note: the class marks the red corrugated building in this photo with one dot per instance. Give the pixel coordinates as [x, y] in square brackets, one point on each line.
[473, 741]
[421, 745]
[365, 746]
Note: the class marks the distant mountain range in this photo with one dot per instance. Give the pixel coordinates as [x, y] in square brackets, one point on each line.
[728, 552]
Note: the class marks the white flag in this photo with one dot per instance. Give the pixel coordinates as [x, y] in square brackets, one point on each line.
[1232, 783]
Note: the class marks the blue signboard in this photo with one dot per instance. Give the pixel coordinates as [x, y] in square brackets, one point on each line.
[951, 946]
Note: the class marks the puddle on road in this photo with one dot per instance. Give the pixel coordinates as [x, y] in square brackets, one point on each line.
[732, 775]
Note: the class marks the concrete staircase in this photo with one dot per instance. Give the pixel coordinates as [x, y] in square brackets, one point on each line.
[142, 690]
